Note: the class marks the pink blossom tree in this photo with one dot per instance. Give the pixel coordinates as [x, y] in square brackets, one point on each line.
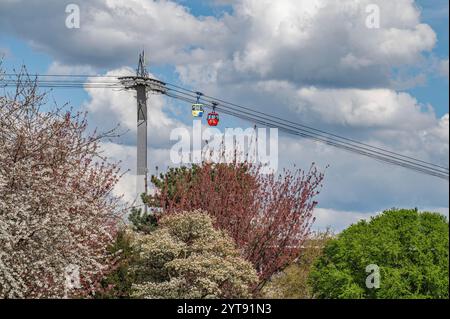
[57, 213]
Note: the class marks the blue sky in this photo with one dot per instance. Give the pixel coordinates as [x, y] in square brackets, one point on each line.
[388, 88]
[435, 92]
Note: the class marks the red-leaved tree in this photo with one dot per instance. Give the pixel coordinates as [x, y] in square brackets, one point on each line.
[268, 216]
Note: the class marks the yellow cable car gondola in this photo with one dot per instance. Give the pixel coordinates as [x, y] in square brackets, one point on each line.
[197, 108]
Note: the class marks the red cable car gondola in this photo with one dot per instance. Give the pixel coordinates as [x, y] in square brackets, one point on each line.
[213, 117]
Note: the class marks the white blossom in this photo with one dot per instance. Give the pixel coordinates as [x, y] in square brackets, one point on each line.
[55, 204]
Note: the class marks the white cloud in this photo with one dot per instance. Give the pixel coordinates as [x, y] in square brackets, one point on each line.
[382, 117]
[320, 42]
[64, 69]
[375, 108]
[338, 220]
[126, 154]
[315, 42]
[379, 116]
[110, 107]
[356, 183]
[111, 31]
[313, 62]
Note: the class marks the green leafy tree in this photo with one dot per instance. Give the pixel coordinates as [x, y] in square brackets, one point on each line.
[410, 248]
[185, 257]
[144, 222]
[172, 180]
[117, 284]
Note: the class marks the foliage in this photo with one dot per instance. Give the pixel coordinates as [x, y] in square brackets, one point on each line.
[292, 282]
[172, 180]
[268, 216]
[117, 283]
[142, 221]
[56, 208]
[410, 248]
[185, 257]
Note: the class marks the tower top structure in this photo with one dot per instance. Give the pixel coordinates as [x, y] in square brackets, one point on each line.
[141, 70]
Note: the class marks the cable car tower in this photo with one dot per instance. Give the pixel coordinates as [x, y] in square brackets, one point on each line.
[143, 85]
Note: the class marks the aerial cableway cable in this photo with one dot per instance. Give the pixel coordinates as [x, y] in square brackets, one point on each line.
[212, 99]
[268, 120]
[242, 112]
[348, 147]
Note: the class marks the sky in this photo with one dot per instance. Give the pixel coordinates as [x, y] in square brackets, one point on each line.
[314, 62]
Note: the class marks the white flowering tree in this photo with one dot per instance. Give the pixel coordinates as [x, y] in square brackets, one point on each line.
[187, 258]
[57, 214]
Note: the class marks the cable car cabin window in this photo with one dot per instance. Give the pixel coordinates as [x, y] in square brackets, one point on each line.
[197, 110]
[213, 119]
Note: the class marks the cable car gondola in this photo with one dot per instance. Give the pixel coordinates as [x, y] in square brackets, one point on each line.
[213, 117]
[197, 108]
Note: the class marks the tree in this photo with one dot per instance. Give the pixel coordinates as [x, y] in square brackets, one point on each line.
[144, 222]
[268, 216]
[117, 282]
[185, 257]
[292, 282]
[57, 214]
[408, 248]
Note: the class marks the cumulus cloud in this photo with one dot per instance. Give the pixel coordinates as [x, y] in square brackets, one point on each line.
[126, 154]
[314, 62]
[374, 108]
[111, 31]
[66, 69]
[320, 42]
[379, 108]
[360, 184]
[316, 42]
[242, 69]
[383, 117]
[110, 107]
[339, 220]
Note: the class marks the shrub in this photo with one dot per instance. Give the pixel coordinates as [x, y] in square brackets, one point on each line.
[185, 257]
